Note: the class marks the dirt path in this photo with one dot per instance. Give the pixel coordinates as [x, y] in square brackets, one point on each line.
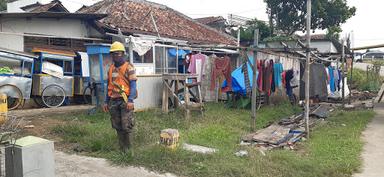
[80, 166]
[26, 113]
[373, 153]
[71, 165]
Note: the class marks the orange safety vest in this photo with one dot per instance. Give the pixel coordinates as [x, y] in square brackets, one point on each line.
[119, 76]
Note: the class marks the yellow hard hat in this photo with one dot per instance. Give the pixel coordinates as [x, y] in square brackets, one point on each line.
[117, 47]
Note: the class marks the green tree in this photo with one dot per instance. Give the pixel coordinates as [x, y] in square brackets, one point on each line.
[287, 17]
[247, 32]
[3, 5]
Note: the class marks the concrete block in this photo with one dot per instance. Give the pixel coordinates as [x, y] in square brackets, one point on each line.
[30, 157]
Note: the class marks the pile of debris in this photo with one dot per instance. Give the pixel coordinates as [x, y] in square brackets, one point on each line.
[362, 96]
[286, 132]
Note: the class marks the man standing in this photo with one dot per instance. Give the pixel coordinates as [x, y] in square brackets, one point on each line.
[120, 95]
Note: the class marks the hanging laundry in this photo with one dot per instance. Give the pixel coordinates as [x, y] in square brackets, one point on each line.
[277, 70]
[238, 78]
[196, 65]
[289, 75]
[141, 46]
[296, 79]
[247, 82]
[260, 68]
[318, 81]
[331, 79]
[267, 79]
[339, 80]
[222, 67]
[336, 79]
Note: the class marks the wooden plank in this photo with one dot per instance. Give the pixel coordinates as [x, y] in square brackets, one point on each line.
[200, 101]
[176, 90]
[165, 96]
[186, 97]
[179, 77]
[173, 94]
[380, 94]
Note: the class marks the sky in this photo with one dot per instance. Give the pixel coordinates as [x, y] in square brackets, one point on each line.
[366, 26]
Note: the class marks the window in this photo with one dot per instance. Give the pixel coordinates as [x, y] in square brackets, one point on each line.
[160, 58]
[171, 64]
[165, 61]
[146, 58]
[14, 65]
[68, 67]
[27, 68]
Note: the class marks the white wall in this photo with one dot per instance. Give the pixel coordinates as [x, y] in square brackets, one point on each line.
[12, 30]
[15, 6]
[69, 28]
[12, 42]
[324, 46]
[150, 92]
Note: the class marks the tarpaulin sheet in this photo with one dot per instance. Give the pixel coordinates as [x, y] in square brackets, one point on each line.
[172, 52]
[238, 83]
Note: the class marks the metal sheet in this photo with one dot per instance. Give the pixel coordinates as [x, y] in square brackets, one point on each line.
[15, 56]
[58, 57]
[23, 83]
[150, 89]
[95, 73]
[66, 83]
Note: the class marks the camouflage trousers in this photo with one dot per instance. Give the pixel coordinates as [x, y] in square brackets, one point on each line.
[122, 121]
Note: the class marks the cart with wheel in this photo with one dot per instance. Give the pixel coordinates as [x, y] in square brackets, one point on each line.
[99, 62]
[53, 77]
[16, 76]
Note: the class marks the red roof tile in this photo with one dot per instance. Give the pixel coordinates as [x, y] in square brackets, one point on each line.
[133, 16]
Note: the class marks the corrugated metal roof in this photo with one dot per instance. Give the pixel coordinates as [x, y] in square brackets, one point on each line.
[134, 16]
[209, 20]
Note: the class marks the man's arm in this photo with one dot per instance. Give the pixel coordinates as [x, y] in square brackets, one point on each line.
[107, 97]
[132, 78]
[132, 91]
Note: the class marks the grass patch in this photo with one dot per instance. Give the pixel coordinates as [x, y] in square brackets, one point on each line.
[333, 149]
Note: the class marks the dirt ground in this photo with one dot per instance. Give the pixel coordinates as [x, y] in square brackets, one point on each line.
[37, 122]
[80, 166]
[373, 154]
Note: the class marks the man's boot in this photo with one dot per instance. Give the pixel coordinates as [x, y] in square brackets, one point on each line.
[124, 140]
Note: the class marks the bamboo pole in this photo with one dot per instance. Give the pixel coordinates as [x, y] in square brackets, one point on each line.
[254, 80]
[307, 72]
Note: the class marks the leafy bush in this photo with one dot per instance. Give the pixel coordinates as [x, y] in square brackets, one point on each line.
[365, 81]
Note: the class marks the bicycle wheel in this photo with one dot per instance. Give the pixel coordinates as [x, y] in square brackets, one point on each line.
[14, 95]
[53, 96]
[87, 94]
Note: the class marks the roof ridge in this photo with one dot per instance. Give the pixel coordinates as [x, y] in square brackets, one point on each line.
[188, 27]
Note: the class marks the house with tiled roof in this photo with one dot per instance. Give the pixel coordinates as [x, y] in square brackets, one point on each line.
[54, 6]
[144, 17]
[324, 46]
[219, 22]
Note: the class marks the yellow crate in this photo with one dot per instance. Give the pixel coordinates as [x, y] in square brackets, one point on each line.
[169, 138]
[3, 108]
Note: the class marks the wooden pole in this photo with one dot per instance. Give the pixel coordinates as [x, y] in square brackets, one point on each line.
[254, 80]
[343, 71]
[307, 68]
[238, 37]
[353, 60]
